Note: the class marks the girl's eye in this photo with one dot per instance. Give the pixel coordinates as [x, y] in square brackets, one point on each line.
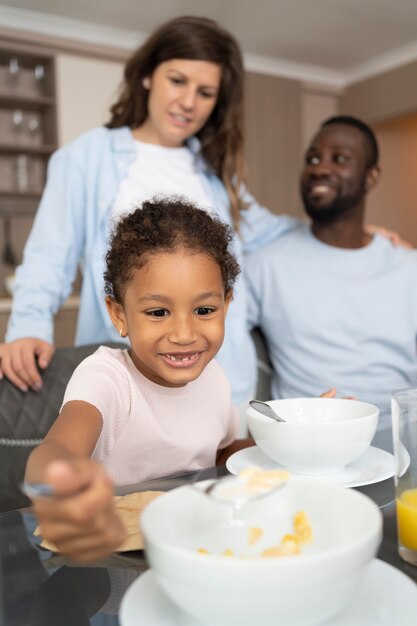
[204, 310]
[340, 158]
[157, 313]
[176, 81]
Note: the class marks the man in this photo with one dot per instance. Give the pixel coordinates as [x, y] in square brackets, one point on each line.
[337, 306]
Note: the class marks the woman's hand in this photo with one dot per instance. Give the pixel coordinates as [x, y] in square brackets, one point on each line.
[20, 359]
[331, 393]
[80, 518]
[394, 237]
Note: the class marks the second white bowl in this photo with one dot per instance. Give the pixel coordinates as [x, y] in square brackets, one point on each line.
[320, 435]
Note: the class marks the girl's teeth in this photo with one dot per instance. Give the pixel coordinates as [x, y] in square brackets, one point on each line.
[174, 358]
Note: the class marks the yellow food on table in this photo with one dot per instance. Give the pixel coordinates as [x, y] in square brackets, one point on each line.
[407, 518]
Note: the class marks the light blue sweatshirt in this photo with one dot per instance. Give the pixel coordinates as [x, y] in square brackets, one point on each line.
[336, 318]
[71, 228]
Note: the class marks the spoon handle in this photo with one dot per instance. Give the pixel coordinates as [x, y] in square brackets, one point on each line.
[36, 490]
[265, 409]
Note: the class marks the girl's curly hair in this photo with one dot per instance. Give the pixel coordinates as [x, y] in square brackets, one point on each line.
[164, 225]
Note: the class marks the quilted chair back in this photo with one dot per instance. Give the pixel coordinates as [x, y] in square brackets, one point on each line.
[25, 418]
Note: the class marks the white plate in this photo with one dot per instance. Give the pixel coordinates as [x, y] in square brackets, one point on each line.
[387, 597]
[371, 467]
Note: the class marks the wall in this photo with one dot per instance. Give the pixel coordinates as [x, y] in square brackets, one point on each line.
[389, 103]
[394, 202]
[388, 95]
[85, 90]
[273, 140]
[317, 105]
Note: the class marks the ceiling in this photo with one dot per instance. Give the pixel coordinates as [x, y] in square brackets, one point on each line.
[342, 39]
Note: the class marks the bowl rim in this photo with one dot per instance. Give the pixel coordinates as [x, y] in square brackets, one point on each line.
[373, 530]
[250, 412]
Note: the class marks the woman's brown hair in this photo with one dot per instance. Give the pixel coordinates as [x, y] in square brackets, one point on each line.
[195, 38]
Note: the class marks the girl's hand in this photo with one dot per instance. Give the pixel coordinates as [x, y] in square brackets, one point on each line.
[394, 237]
[79, 518]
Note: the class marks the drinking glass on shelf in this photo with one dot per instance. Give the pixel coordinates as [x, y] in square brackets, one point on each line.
[22, 171]
[17, 121]
[404, 432]
[39, 72]
[14, 67]
[34, 130]
[14, 73]
[39, 75]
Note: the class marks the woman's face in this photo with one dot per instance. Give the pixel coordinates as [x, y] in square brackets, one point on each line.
[182, 96]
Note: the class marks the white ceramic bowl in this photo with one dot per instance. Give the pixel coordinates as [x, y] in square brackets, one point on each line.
[320, 435]
[301, 590]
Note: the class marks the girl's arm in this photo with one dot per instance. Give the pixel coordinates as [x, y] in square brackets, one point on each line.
[235, 446]
[79, 518]
[73, 435]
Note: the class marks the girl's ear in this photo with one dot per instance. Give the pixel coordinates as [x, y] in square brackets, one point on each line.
[117, 316]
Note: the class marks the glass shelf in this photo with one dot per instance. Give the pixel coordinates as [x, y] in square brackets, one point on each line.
[26, 102]
[7, 148]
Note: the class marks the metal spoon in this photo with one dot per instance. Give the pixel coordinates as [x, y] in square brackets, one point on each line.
[36, 490]
[265, 409]
[239, 490]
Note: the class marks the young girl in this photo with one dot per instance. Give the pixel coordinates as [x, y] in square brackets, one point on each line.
[164, 405]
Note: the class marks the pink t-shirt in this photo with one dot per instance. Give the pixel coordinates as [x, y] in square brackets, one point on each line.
[151, 431]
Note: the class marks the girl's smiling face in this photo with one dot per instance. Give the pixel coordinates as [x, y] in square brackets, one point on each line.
[174, 312]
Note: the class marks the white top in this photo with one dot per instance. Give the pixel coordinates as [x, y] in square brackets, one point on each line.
[151, 431]
[335, 317]
[160, 171]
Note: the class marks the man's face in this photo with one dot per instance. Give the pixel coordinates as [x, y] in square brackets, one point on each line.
[333, 180]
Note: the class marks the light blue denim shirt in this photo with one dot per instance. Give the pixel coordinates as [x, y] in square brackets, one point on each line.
[71, 229]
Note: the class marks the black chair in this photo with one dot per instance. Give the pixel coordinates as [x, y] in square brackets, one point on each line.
[263, 389]
[25, 418]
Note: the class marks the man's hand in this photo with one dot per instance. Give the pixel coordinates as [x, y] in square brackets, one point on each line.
[80, 518]
[20, 359]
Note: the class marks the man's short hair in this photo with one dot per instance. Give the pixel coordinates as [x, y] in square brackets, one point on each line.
[367, 132]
